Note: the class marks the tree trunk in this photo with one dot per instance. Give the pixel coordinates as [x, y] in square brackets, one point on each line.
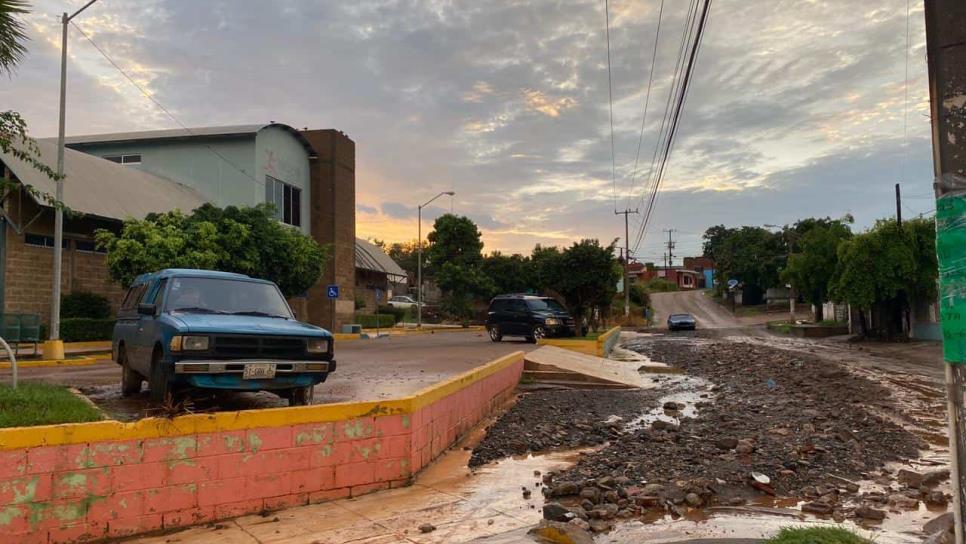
[819, 312]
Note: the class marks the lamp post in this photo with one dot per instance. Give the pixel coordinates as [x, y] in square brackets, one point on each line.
[54, 348]
[419, 260]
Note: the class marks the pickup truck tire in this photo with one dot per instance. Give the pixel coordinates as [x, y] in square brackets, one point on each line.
[130, 380]
[159, 382]
[495, 333]
[300, 396]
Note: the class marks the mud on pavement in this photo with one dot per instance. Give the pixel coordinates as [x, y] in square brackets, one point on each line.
[760, 422]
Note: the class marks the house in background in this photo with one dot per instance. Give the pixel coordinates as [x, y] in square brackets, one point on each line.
[685, 279]
[704, 266]
[376, 271]
[308, 174]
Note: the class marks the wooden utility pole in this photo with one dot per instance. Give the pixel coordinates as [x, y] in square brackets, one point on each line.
[898, 206]
[627, 261]
[946, 58]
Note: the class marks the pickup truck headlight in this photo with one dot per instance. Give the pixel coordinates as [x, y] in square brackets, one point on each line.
[552, 321]
[189, 343]
[317, 346]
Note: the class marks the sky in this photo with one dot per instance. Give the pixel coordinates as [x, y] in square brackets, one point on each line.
[797, 108]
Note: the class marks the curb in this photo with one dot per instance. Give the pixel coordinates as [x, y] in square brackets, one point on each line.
[79, 361]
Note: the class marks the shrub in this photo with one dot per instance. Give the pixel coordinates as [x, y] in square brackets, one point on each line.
[816, 535]
[84, 304]
[85, 329]
[368, 321]
[397, 313]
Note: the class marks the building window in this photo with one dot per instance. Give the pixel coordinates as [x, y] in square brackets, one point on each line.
[287, 200]
[87, 246]
[125, 159]
[39, 240]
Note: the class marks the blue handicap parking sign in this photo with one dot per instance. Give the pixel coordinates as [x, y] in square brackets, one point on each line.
[332, 291]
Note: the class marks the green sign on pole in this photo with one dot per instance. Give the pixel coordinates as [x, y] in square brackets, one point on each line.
[950, 241]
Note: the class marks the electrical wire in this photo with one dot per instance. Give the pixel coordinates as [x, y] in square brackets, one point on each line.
[160, 106]
[647, 96]
[610, 97]
[672, 130]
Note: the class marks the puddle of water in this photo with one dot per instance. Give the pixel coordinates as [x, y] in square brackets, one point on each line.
[688, 391]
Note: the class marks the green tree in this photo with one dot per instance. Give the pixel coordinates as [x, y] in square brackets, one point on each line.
[881, 271]
[751, 255]
[454, 259]
[12, 36]
[586, 276]
[509, 273]
[815, 256]
[244, 240]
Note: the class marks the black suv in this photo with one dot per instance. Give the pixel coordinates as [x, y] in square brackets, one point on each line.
[529, 316]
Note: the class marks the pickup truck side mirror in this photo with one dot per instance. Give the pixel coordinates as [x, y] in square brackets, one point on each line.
[146, 308]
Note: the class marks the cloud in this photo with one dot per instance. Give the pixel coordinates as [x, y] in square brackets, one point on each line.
[507, 102]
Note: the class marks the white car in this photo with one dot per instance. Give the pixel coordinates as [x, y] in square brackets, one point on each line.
[402, 302]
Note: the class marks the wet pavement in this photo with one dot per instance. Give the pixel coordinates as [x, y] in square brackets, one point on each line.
[374, 369]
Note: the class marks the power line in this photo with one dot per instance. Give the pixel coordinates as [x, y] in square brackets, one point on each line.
[678, 65]
[647, 95]
[682, 97]
[610, 97]
[160, 106]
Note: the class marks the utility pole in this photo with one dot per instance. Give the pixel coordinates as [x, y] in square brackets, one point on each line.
[54, 347]
[670, 247]
[627, 260]
[945, 51]
[419, 258]
[898, 207]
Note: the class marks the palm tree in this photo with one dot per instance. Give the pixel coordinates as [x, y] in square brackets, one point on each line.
[12, 35]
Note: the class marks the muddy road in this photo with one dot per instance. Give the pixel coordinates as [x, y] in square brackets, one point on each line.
[753, 425]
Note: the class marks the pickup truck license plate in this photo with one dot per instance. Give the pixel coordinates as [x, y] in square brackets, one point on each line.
[259, 371]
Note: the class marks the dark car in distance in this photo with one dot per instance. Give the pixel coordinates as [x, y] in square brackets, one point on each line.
[681, 322]
[529, 316]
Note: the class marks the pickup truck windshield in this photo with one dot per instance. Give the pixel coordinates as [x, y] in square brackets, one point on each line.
[544, 304]
[224, 296]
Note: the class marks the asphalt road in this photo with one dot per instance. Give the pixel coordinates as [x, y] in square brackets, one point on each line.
[367, 370]
[708, 313]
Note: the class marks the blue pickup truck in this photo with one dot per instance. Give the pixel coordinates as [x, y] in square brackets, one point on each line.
[216, 330]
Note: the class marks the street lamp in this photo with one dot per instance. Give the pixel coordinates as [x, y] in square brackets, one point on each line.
[54, 348]
[419, 265]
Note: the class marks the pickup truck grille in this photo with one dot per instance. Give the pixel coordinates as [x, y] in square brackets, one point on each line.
[258, 346]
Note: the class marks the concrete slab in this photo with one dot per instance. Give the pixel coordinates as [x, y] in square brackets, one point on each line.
[606, 370]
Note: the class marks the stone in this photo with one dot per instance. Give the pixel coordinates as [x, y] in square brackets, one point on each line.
[869, 513]
[652, 489]
[554, 511]
[606, 511]
[935, 477]
[586, 505]
[591, 494]
[564, 489]
[816, 507]
[427, 528]
[694, 500]
[611, 497]
[580, 523]
[562, 532]
[726, 443]
[909, 478]
[600, 525]
[939, 524]
[661, 425]
[937, 497]
[526, 493]
[902, 501]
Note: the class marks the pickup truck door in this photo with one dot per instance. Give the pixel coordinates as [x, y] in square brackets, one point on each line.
[147, 332]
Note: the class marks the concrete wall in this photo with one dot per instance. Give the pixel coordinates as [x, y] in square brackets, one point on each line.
[280, 155]
[90, 481]
[197, 163]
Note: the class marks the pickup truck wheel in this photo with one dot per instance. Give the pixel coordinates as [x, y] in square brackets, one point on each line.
[495, 334]
[130, 380]
[160, 381]
[537, 333]
[300, 396]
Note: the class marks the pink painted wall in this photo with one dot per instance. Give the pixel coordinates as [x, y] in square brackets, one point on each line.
[92, 491]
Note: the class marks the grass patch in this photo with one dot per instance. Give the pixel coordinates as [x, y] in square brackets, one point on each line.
[816, 535]
[783, 327]
[831, 323]
[42, 404]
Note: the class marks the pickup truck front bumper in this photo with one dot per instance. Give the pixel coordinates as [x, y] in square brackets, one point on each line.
[282, 366]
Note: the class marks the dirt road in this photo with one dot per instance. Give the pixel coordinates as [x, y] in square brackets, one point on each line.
[708, 313]
[367, 370]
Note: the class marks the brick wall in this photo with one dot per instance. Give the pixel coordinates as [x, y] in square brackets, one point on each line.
[333, 187]
[87, 490]
[28, 273]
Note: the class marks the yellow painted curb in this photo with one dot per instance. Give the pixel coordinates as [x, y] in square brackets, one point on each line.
[79, 361]
[104, 431]
[588, 347]
[100, 344]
